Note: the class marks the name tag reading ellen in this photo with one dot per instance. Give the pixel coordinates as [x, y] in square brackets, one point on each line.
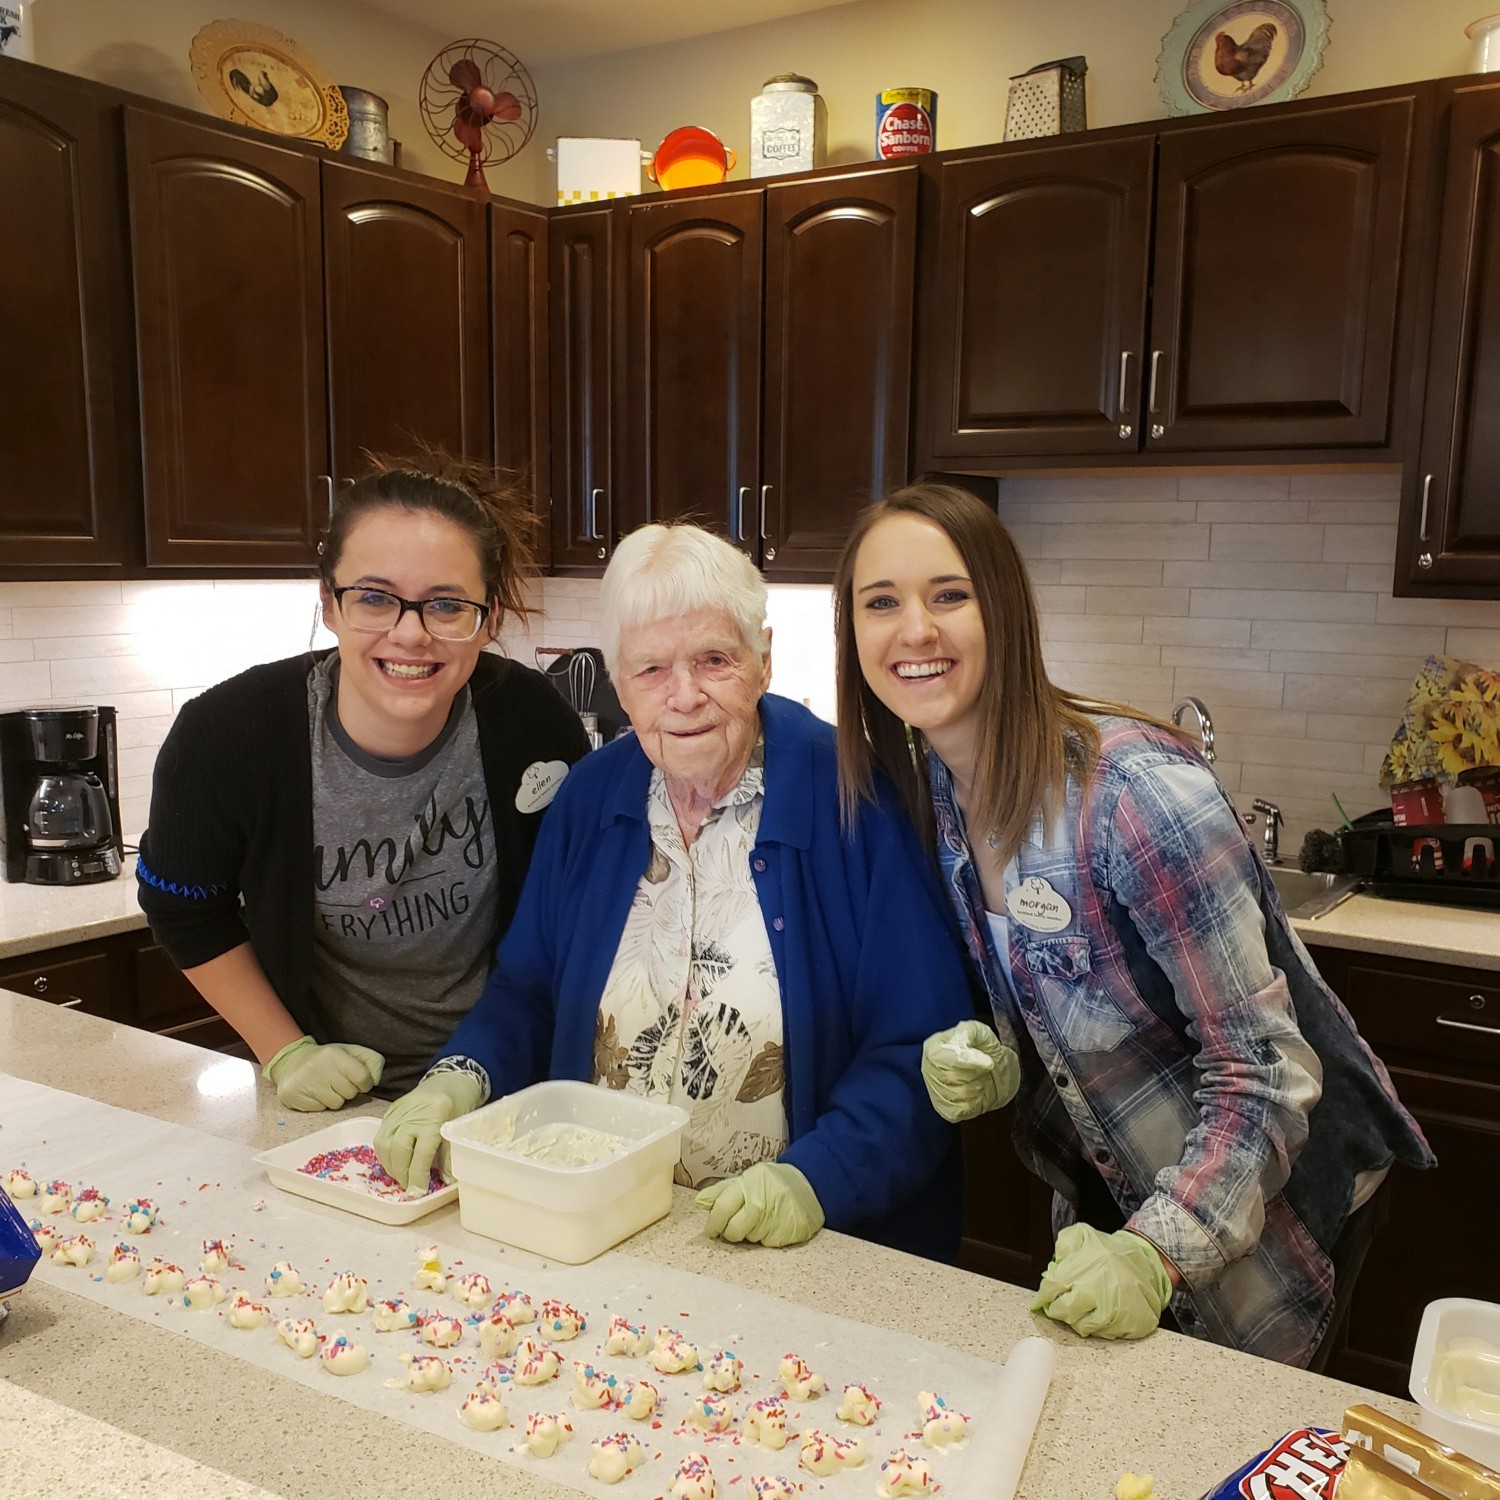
[1037, 905]
[539, 784]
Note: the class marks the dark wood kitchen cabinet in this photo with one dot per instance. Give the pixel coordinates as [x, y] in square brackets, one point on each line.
[71, 491]
[582, 250]
[228, 266]
[1437, 1029]
[690, 402]
[519, 356]
[1271, 321]
[1449, 539]
[767, 359]
[407, 286]
[126, 978]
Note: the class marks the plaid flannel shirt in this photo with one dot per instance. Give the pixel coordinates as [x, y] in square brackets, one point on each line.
[1162, 1049]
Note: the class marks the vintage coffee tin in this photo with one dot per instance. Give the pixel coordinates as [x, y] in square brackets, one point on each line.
[905, 122]
[788, 126]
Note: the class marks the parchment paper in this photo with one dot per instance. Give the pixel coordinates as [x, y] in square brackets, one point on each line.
[208, 1188]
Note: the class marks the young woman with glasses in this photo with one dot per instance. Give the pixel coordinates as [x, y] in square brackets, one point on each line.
[337, 840]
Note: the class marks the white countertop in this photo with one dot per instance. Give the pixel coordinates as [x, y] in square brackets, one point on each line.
[1464, 935]
[1185, 1411]
[37, 917]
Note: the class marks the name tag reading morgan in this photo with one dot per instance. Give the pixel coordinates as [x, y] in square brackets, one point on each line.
[539, 783]
[1036, 904]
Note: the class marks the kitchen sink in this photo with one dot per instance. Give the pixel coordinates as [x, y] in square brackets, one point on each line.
[1310, 893]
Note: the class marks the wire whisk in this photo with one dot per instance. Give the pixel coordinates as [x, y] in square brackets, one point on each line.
[583, 678]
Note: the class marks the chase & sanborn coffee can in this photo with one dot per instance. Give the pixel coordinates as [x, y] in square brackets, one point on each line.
[905, 122]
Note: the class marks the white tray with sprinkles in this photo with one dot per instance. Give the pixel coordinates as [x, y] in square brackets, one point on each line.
[338, 1166]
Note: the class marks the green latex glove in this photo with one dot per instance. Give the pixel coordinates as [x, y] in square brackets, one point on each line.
[969, 1071]
[410, 1136]
[313, 1075]
[1111, 1286]
[770, 1203]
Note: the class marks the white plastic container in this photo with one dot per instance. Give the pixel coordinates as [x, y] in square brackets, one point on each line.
[1444, 1321]
[1484, 34]
[566, 1213]
[282, 1165]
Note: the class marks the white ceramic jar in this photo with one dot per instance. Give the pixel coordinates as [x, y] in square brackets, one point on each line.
[1485, 35]
[15, 30]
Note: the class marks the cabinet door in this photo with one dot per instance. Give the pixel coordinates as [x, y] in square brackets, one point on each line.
[71, 489]
[1040, 301]
[1450, 515]
[691, 399]
[518, 365]
[840, 262]
[1278, 254]
[408, 317]
[229, 327]
[581, 252]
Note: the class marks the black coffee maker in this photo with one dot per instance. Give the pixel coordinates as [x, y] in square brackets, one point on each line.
[59, 796]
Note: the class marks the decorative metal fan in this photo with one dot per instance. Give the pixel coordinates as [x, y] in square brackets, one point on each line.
[479, 105]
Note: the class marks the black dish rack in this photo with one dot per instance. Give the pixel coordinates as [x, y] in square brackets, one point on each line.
[1457, 864]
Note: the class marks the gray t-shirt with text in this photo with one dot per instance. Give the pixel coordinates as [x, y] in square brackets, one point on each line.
[405, 887]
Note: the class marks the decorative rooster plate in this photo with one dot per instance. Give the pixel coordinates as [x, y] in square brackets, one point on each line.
[1219, 56]
[255, 76]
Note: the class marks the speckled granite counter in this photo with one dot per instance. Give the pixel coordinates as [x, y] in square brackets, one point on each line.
[1182, 1410]
[37, 917]
[1463, 935]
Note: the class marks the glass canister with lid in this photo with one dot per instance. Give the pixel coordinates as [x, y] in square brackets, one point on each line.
[788, 126]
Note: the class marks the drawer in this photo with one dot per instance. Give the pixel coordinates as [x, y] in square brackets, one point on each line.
[80, 983]
[164, 1000]
[1445, 1013]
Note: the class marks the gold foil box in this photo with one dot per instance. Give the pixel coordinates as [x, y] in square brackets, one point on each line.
[1388, 1460]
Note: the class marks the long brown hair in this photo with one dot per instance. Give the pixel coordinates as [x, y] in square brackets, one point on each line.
[489, 505]
[1031, 735]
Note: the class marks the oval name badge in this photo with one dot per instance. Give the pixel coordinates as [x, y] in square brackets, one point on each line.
[1037, 905]
[539, 783]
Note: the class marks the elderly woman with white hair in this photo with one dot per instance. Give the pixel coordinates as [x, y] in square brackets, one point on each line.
[699, 925]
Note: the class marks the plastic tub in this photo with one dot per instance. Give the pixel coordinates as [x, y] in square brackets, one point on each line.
[567, 1213]
[1443, 1322]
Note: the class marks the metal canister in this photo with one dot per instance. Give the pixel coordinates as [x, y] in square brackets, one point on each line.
[368, 135]
[905, 122]
[788, 126]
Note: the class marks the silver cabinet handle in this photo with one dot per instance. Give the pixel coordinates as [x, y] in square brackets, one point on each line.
[1426, 496]
[591, 517]
[1155, 373]
[72, 1004]
[1124, 382]
[328, 487]
[765, 511]
[1468, 1026]
[737, 521]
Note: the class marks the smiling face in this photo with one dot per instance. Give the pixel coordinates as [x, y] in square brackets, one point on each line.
[690, 685]
[397, 687]
[918, 629]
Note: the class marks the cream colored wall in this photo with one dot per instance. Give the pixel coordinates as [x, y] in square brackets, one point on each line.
[966, 49]
[144, 48]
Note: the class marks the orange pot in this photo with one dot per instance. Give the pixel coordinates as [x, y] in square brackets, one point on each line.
[690, 156]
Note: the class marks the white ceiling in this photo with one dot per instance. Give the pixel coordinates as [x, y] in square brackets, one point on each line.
[540, 32]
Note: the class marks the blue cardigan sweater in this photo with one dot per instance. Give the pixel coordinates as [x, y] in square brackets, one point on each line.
[864, 951]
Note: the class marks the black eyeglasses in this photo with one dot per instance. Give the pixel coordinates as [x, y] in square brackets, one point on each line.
[374, 611]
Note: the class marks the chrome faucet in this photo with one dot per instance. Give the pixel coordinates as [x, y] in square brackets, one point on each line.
[1272, 814]
[1205, 724]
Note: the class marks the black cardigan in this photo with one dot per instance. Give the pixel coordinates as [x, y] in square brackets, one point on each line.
[231, 812]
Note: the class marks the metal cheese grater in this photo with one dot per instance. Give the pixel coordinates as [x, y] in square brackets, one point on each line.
[1047, 100]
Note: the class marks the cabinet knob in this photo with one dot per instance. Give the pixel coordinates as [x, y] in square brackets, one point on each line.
[40, 984]
[770, 554]
[602, 553]
[1425, 560]
[1126, 430]
[1157, 429]
[1477, 1002]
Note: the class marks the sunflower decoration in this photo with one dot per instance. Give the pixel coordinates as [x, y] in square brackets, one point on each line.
[1451, 724]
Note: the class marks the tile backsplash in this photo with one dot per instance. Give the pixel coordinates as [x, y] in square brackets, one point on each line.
[1266, 596]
